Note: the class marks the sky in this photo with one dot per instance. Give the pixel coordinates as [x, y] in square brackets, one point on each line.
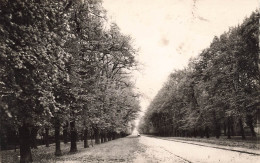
[169, 32]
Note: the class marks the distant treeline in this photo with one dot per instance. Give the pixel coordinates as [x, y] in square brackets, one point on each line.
[217, 93]
[63, 70]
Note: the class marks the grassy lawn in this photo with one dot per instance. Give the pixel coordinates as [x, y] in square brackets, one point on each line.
[42, 153]
[236, 141]
[119, 150]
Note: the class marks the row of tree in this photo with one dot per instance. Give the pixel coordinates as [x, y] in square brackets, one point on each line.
[62, 66]
[219, 91]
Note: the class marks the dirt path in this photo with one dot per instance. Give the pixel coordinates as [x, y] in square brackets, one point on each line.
[154, 153]
[159, 150]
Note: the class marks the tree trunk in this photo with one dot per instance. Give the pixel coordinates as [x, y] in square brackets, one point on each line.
[91, 140]
[25, 141]
[73, 137]
[195, 133]
[242, 129]
[97, 135]
[16, 141]
[105, 137]
[102, 137]
[232, 129]
[225, 129]
[109, 136]
[33, 137]
[42, 139]
[216, 123]
[217, 131]
[201, 133]
[65, 133]
[86, 138]
[114, 136]
[232, 126]
[228, 128]
[57, 138]
[46, 137]
[207, 131]
[249, 121]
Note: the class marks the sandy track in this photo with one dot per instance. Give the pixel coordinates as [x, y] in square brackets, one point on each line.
[160, 150]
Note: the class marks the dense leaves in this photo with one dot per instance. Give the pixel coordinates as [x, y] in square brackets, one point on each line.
[60, 62]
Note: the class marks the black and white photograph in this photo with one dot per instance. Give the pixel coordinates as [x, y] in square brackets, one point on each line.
[129, 81]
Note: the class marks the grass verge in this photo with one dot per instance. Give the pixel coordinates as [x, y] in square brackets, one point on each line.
[249, 143]
[119, 150]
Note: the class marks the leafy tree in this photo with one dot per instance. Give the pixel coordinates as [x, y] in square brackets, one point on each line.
[58, 64]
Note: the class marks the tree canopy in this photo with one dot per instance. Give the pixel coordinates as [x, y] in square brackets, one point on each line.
[61, 62]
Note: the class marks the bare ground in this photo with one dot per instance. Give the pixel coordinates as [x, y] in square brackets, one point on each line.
[161, 150]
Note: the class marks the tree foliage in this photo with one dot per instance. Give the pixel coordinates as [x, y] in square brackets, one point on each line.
[60, 63]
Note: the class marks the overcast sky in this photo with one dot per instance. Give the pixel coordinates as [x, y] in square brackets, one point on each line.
[169, 32]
